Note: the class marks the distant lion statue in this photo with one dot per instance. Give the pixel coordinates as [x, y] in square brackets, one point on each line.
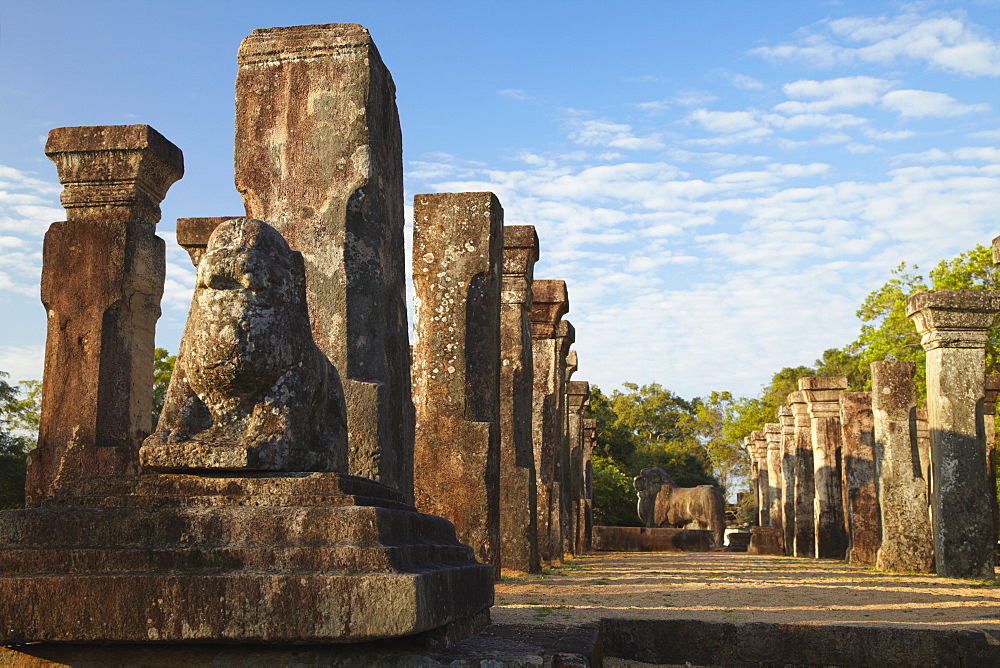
[663, 504]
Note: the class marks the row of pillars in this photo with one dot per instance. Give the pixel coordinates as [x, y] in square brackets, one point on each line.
[871, 478]
[480, 422]
[502, 445]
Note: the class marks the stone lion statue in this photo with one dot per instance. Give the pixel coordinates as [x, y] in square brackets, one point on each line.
[250, 389]
[663, 504]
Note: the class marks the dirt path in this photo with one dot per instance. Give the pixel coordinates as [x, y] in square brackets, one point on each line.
[735, 587]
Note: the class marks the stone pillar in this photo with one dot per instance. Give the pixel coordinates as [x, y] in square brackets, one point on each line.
[578, 400]
[559, 524]
[589, 443]
[805, 528]
[319, 157]
[861, 515]
[907, 540]
[754, 491]
[102, 279]
[759, 445]
[822, 396]
[518, 503]
[457, 260]
[924, 455]
[772, 436]
[990, 433]
[550, 301]
[952, 326]
[787, 421]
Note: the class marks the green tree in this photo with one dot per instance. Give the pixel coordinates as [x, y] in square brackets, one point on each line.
[886, 332]
[614, 438]
[163, 369]
[716, 417]
[614, 495]
[19, 414]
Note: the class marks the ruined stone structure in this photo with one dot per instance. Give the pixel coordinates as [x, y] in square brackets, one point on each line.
[518, 503]
[250, 393]
[577, 402]
[587, 501]
[255, 551]
[318, 156]
[861, 514]
[952, 325]
[550, 301]
[457, 263]
[822, 395]
[759, 444]
[805, 526]
[906, 540]
[787, 452]
[772, 436]
[992, 390]
[102, 279]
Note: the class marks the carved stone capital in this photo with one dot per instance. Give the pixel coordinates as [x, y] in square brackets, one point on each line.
[113, 173]
[953, 318]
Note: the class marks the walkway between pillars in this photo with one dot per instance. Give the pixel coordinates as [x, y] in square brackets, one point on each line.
[737, 588]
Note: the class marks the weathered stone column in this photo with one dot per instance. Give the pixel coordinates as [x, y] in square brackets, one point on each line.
[748, 445]
[550, 301]
[860, 498]
[578, 400]
[587, 507]
[907, 540]
[787, 421]
[763, 478]
[102, 279]
[560, 531]
[518, 503]
[992, 390]
[772, 436]
[805, 528]
[457, 260]
[952, 326]
[822, 396]
[319, 157]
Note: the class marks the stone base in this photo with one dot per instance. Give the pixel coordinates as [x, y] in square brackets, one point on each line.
[738, 541]
[642, 539]
[766, 540]
[268, 558]
[500, 646]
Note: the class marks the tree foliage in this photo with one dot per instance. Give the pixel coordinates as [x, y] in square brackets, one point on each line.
[19, 415]
[886, 332]
[163, 369]
[614, 496]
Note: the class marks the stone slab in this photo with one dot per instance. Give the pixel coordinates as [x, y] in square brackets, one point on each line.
[766, 540]
[703, 643]
[499, 646]
[643, 539]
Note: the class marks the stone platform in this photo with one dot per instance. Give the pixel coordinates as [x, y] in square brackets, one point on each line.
[269, 558]
[642, 539]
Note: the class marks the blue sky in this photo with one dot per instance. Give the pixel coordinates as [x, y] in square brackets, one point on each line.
[720, 183]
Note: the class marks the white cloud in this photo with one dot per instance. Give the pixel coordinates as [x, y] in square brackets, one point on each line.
[22, 362]
[604, 133]
[514, 94]
[744, 82]
[947, 42]
[925, 103]
[824, 96]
